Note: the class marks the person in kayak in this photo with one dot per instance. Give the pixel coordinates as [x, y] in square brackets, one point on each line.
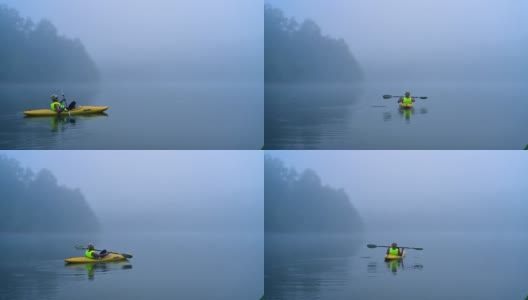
[407, 99]
[57, 105]
[90, 252]
[394, 250]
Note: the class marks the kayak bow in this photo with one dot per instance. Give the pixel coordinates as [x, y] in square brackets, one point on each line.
[389, 257]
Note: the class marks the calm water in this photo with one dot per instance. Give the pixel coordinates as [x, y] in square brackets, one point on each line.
[164, 266]
[141, 116]
[487, 115]
[451, 266]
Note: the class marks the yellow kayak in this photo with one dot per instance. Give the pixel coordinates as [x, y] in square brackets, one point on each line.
[81, 110]
[406, 105]
[389, 257]
[83, 260]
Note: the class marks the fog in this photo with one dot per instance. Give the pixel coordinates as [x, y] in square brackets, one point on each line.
[162, 190]
[426, 190]
[429, 40]
[161, 39]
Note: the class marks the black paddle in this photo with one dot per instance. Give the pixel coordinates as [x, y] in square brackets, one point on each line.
[64, 99]
[70, 119]
[390, 96]
[79, 247]
[376, 246]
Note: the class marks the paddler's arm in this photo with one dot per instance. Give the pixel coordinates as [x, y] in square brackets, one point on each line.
[63, 101]
[401, 253]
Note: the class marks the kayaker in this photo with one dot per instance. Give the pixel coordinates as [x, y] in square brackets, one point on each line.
[394, 250]
[90, 252]
[407, 99]
[58, 106]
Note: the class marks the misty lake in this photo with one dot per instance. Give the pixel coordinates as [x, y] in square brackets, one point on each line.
[165, 266]
[196, 115]
[456, 115]
[451, 266]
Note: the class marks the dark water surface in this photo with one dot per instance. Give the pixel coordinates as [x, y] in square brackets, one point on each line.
[457, 115]
[164, 266]
[484, 266]
[141, 116]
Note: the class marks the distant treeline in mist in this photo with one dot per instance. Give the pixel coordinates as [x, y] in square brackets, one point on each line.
[36, 203]
[296, 52]
[300, 203]
[36, 53]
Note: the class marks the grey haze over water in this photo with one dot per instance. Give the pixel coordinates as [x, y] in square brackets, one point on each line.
[162, 190]
[161, 40]
[426, 40]
[426, 190]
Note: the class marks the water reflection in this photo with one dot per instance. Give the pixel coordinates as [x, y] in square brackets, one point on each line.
[23, 281]
[60, 122]
[393, 266]
[298, 266]
[307, 112]
[90, 269]
[405, 113]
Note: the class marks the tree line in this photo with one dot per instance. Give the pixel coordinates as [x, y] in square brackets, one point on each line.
[299, 52]
[34, 202]
[296, 202]
[37, 53]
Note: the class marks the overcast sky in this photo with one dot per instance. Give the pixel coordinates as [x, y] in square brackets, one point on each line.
[426, 189]
[220, 190]
[423, 35]
[189, 35]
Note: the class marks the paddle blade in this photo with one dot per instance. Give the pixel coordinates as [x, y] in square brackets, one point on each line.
[372, 246]
[126, 255]
[423, 97]
[387, 96]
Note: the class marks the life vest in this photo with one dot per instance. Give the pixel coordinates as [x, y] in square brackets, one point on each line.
[89, 253]
[394, 251]
[407, 100]
[55, 103]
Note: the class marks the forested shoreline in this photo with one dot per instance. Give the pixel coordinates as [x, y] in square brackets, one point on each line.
[299, 52]
[35, 52]
[35, 202]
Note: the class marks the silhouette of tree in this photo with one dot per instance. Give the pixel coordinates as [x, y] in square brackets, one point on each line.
[300, 53]
[300, 203]
[36, 203]
[36, 53]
